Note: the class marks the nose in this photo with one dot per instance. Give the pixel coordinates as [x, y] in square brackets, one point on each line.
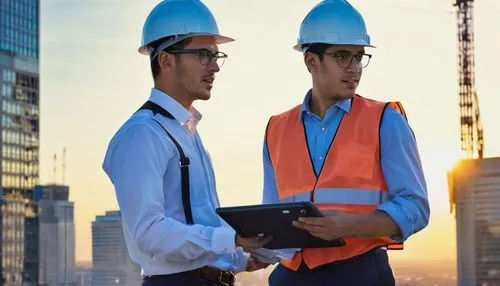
[213, 66]
[354, 66]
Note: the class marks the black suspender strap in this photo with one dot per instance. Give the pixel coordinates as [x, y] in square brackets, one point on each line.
[183, 162]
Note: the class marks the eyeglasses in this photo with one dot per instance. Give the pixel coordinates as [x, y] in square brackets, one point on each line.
[344, 59]
[205, 56]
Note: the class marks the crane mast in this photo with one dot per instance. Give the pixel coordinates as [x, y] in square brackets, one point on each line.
[471, 129]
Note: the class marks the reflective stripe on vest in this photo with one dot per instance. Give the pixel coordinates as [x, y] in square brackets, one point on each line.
[343, 196]
[350, 180]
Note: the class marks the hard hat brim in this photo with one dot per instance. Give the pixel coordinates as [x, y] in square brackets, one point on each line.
[298, 47]
[219, 40]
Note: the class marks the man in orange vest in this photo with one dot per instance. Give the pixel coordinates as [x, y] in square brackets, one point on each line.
[354, 157]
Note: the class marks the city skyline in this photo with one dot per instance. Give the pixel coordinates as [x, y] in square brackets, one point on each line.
[420, 70]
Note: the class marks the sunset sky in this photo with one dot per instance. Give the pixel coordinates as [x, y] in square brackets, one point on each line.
[93, 79]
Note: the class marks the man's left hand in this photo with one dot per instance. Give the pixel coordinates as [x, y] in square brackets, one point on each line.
[332, 225]
[255, 264]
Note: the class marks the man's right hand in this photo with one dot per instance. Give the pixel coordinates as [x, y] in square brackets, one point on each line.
[253, 242]
[255, 264]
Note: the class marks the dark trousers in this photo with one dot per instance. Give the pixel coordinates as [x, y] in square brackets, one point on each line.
[369, 269]
[178, 279]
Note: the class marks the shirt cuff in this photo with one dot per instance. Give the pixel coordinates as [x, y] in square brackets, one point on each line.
[223, 240]
[241, 261]
[403, 222]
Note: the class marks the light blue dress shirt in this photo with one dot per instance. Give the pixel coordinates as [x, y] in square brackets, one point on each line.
[401, 166]
[143, 165]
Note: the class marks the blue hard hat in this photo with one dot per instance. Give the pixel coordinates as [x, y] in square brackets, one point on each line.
[182, 19]
[334, 22]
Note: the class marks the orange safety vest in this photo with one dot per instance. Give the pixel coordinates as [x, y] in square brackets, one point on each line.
[350, 179]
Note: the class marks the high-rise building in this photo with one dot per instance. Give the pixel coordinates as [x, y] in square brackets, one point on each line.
[83, 275]
[19, 139]
[31, 248]
[476, 185]
[111, 263]
[57, 236]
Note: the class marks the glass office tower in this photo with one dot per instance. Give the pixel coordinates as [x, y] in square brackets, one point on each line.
[19, 138]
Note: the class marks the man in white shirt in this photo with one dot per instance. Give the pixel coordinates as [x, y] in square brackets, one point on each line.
[162, 174]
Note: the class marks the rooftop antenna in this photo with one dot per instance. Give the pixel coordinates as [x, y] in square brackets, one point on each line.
[63, 164]
[54, 170]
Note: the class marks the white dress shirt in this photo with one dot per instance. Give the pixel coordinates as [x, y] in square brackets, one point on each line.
[143, 165]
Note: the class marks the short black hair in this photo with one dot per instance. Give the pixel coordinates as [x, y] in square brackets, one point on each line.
[318, 49]
[155, 66]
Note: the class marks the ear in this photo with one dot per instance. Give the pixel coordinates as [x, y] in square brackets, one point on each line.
[311, 61]
[166, 61]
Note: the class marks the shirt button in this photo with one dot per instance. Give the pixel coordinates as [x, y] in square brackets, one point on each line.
[323, 129]
[321, 158]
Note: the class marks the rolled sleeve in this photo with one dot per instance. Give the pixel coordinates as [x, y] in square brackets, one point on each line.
[395, 210]
[402, 169]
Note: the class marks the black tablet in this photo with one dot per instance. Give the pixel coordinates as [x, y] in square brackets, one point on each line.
[276, 220]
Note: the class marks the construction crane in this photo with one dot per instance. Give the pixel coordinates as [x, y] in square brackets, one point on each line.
[471, 129]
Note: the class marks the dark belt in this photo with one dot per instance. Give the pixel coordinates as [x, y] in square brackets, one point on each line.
[225, 278]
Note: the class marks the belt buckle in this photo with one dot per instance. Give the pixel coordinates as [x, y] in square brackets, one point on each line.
[222, 282]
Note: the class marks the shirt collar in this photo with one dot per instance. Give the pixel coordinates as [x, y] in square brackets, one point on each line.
[179, 112]
[344, 104]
